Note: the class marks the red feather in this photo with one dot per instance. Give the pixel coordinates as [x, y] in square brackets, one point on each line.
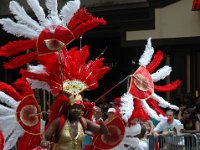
[88, 26]
[89, 109]
[53, 81]
[15, 47]
[23, 87]
[169, 87]
[9, 90]
[81, 16]
[59, 105]
[153, 104]
[155, 62]
[2, 141]
[20, 60]
[138, 112]
[74, 66]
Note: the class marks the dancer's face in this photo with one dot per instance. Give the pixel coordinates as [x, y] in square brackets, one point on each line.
[75, 110]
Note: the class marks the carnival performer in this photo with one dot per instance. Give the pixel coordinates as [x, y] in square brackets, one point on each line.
[58, 71]
[68, 130]
[141, 102]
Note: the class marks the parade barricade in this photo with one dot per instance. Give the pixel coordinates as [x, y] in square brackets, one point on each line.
[182, 142]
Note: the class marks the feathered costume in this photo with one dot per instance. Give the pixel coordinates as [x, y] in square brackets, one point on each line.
[19, 116]
[61, 71]
[51, 33]
[58, 70]
[141, 102]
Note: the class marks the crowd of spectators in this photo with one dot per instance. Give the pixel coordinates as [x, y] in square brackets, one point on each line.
[186, 120]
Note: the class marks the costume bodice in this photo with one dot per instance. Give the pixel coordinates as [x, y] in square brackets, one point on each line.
[66, 142]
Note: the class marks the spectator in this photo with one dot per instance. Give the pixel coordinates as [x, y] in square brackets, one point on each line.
[191, 124]
[143, 144]
[166, 128]
[149, 126]
[150, 130]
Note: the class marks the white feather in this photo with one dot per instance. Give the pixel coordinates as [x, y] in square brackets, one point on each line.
[13, 138]
[147, 55]
[128, 137]
[39, 12]
[150, 111]
[35, 84]
[126, 107]
[7, 124]
[4, 98]
[162, 102]
[133, 130]
[6, 111]
[37, 69]
[23, 17]
[18, 29]
[68, 10]
[53, 12]
[161, 73]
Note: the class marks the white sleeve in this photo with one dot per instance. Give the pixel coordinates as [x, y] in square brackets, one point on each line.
[142, 146]
[158, 128]
[177, 122]
[139, 147]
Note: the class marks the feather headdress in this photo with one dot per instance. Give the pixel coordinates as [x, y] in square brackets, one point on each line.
[51, 33]
[141, 101]
[78, 73]
[142, 88]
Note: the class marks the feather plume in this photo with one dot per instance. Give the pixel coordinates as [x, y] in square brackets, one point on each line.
[37, 69]
[161, 73]
[126, 107]
[155, 62]
[79, 17]
[12, 140]
[15, 47]
[153, 104]
[162, 102]
[88, 26]
[53, 12]
[150, 111]
[4, 98]
[9, 90]
[6, 111]
[23, 87]
[42, 78]
[20, 60]
[147, 55]
[23, 17]
[169, 87]
[18, 29]
[57, 107]
[39, 12]
[7, 124]
[68, 10]
[89, 109]
[138, 112]
[36, 84]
